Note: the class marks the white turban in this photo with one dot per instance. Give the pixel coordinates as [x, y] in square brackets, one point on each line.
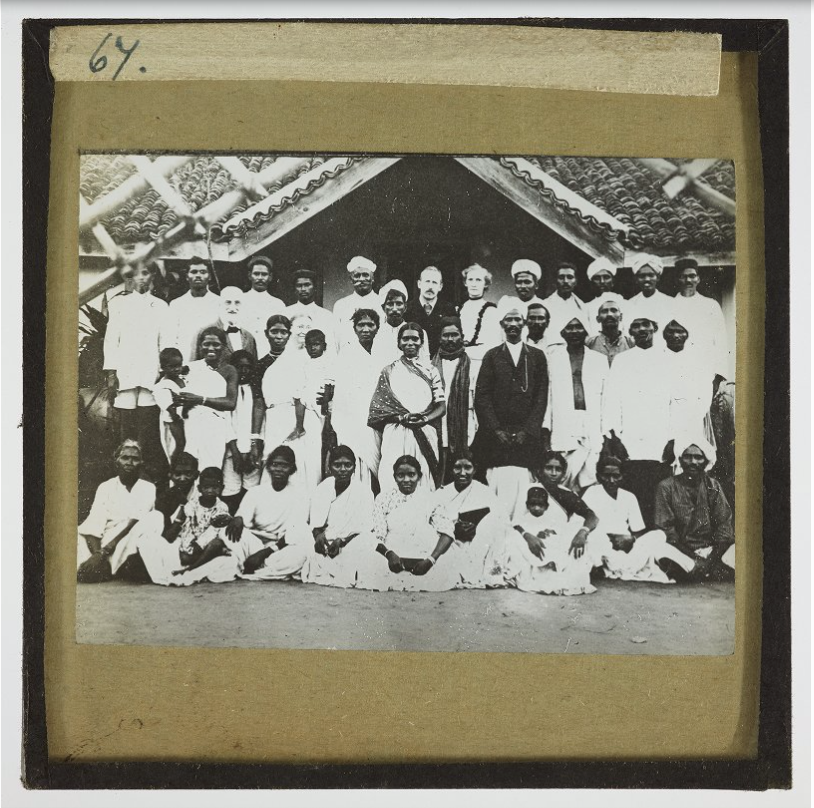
[526, 265]
[361, 264]
[508, 303]
[392, 286]
[600, 265]
[682, 443]
[581, 318]
[653, 261]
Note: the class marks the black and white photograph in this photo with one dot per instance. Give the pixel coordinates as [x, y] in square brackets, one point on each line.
[407, 402]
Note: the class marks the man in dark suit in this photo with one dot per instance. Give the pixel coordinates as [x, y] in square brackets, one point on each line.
[427, 310]
[510, 403]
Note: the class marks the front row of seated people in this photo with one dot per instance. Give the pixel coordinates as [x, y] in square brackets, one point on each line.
[412, 537]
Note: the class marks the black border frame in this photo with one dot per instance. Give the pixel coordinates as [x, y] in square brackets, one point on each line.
[771, 768]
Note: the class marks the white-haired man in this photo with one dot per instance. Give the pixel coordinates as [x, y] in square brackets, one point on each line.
[649, 302]
[479, 316]
[361, 271]
[230, 320]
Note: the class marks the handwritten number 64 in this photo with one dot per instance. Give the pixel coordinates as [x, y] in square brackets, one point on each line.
[98, 63]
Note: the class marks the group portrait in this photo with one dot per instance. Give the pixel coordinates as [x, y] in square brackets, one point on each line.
[509, 377]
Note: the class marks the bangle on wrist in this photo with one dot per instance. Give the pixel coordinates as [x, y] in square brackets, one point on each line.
[203, 400]
[431, 559]
[256, 436]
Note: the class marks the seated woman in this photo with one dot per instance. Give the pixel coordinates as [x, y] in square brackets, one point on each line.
[119, 504]
[621, 544]
[269, 538]
[407, 407]
[542, 556]
[341, 522]
[416, 551]
[210, 396]
[481, 525]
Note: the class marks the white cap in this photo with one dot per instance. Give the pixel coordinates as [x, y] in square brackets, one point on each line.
[526, 265]
[392, 286]
[506, 304]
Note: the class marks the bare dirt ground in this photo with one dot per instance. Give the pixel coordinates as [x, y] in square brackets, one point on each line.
[620, 618]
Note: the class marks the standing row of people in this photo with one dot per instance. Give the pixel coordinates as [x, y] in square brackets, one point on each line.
[389, 376]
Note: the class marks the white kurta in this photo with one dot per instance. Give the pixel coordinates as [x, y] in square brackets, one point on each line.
[621, 516]
[186, 317]
[561, 312]
[658, 307]
[255, 309]
[357, 373]
[704, 321]
[692, 373]
[135, 335]
[638, 401]
[573, 431]
[113, 507]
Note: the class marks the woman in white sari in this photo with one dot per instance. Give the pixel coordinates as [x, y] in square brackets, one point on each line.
[357, 372]
[288, 418]
[210, 396]
[416, 551]
[407, 406]
[481, 524]
[342, 524]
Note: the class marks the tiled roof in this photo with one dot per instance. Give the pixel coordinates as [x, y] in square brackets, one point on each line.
[623, 187]
[630, 191]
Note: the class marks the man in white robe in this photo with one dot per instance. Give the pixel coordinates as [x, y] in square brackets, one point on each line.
[393, 298]
[563, 305]
[526, 275]
[361, 271]
[305, 289]
[702, 317]
[577, 379]
[192, 311]
[638, 411]
[601, 274]
[258, 305]
[649, 302]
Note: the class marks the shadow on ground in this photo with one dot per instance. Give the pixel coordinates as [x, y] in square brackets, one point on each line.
[620, 618]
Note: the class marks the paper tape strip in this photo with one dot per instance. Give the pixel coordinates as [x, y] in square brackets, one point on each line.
[497, 55]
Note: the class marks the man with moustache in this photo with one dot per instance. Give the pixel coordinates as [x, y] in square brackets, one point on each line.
[537, 327]
[510, 403]
[258, 305]
[229, 320]
[610, 340]
[638, 411]
[695, 516]
[601, 274]
[563, 304]
[393, 297]
[305, 290]
[526, 275]
[427, 310]
[361, 271]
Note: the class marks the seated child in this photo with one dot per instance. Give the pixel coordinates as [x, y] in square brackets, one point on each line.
[171, 379]
[542, 556]
[621, 544]
[202, 521]
[241, 468]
